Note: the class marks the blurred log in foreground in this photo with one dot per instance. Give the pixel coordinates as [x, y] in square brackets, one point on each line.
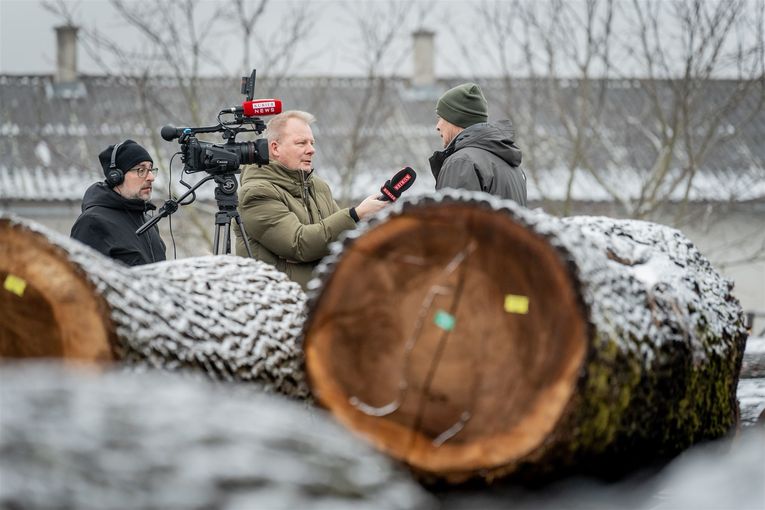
[469, 338]
[234, 318]
[155, 440]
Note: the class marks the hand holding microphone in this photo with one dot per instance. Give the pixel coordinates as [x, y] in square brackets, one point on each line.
[390, 192]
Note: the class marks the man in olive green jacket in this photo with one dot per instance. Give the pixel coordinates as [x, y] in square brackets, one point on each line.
[288, 212]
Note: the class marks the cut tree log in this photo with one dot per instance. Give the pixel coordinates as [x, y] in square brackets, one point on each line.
[472, 338]
[233, 318]
[79, 439]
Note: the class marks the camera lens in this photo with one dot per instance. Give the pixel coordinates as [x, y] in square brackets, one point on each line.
[253, 152]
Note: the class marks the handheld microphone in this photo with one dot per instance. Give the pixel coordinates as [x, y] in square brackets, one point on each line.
[396, 185]
[257, 107]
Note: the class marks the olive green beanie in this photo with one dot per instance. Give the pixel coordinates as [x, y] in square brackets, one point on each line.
[463, 105]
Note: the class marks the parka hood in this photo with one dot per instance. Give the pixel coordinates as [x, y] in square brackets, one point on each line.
[496, 137]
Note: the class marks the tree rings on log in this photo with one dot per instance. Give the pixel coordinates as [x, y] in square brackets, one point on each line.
[434, 336]
[48, 309]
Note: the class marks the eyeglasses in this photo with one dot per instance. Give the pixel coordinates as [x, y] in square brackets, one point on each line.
[142, 172]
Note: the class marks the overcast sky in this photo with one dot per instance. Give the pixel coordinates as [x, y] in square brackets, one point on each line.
[333, 42]
[28, 42]
[27, 39]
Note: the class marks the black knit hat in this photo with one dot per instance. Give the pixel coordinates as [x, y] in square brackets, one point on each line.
[129, 154]
[463, 105]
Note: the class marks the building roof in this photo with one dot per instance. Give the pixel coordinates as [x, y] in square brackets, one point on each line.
[51, 134]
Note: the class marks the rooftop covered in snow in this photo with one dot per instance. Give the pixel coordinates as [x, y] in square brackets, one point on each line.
[51, 133]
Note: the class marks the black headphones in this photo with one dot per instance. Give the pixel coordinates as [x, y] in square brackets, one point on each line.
[114, 176]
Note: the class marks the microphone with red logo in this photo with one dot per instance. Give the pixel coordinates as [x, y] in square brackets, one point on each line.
[396, 185]
[257, 107]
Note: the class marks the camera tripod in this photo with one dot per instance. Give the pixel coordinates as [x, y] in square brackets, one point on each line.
[225, 196]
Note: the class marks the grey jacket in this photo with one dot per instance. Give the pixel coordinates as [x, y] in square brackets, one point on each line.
[483, 157]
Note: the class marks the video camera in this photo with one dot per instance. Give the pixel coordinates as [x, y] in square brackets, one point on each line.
[216, 159]
[221, 161]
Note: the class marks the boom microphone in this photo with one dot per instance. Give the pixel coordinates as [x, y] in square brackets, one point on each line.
[257, 107]
[170, 133]
[396, 185]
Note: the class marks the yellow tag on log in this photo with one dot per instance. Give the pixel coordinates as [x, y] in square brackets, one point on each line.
[516, 304]
[15, 284]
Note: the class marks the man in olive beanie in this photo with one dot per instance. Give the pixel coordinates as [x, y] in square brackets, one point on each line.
[478, 155]
[113, 209]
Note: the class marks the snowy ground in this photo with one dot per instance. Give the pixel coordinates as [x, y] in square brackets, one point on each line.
[751, 395]
[751, 386]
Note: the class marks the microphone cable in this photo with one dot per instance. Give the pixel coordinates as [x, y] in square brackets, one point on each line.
[170, 197]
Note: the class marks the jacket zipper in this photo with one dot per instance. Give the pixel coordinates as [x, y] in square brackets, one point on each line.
[305, 196]
[312, 192]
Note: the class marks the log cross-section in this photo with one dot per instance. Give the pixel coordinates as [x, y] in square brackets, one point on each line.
[426, 345]
[47, 309]
[470, 337]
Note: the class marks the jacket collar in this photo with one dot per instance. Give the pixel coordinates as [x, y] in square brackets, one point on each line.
[291, 180]
[100, 194]
[438, 157]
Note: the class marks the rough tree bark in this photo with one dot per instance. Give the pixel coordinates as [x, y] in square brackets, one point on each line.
[79, 439]
[470, 337]
[234, 318]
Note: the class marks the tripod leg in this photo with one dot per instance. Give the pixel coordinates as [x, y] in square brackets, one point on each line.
[228, 238]
[244, 234]
[216, 238]
[217, 248]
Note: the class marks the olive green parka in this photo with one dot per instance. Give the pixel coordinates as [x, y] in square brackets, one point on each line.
[290, 218]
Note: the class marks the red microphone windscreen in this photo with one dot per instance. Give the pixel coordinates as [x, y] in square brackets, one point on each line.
[403, 180]
[258, 107]
[399, 183]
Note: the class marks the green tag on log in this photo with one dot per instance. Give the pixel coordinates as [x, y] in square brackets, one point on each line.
[444, 320]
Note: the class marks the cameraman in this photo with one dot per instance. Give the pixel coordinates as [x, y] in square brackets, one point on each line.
[113, 209]
[288, 212]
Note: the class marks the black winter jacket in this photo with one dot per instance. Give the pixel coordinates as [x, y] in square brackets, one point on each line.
[108, 223]
[483, 157]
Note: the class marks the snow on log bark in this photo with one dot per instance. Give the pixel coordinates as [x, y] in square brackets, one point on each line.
[234, 318]
[470, 337]
[86, 440]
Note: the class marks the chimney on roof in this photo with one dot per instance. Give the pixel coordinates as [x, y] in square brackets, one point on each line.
[66, 46]
[423, 58]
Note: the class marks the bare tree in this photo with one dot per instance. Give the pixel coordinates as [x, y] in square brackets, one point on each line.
[610, 86]
[172, 42]
[378, 27]
[276, 50]
[701, 114]
[540, 42]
